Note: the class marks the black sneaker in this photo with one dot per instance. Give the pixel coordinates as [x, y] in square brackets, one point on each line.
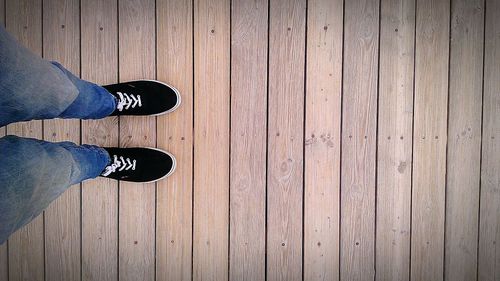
[144, 97]
[137, 164]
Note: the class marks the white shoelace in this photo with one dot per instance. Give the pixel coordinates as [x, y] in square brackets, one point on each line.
[121, 163]
[127, 101]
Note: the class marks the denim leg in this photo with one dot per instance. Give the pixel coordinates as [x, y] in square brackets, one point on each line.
[33, 173]
[93, 101]
[32, 88]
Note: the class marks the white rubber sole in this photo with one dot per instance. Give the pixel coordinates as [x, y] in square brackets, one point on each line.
[174, 165]
[179, 99]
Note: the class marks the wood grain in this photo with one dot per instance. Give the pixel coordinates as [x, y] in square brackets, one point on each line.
[61, 43]
[2, 129]
[4, 258]
[4, 255]
[2, 22]
[99, 64]
[26, 246]
[464, 139]
[429, 142]
[395, 128]
[211, 139]
[248, 139]
[285, 135]
[322, 140]
[359, 124]
[338, 195]
[489, 242]
[137, 201]
[174, 20]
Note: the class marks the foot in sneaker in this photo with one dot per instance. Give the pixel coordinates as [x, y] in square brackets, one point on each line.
[144, 97]
[140, 165]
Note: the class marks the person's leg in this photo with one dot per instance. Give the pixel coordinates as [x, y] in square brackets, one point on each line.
[32, 88]
[33, 173]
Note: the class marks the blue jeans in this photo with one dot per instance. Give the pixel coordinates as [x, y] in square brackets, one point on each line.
[30, 89]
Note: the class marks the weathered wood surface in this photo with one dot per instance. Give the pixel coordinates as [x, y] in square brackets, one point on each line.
[316, 140]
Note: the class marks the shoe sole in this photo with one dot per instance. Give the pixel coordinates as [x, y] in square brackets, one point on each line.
[172, 170]
[179, 99]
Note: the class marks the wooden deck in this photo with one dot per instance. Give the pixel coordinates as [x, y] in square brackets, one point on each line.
[317, 140]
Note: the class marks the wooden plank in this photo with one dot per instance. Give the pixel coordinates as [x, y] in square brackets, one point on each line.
[99, 64]
[464, 135]
[211, 138]
[2, 22]
[61, 43]
[248, 139]
[4, 260]
[174, 20]
[2, 129]
[359, 124]
[489, 242]
[395, 128]
[26, 246]
[322, 140]
[285, 136]
[2, 12]
[429, 142]
[136, 236]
